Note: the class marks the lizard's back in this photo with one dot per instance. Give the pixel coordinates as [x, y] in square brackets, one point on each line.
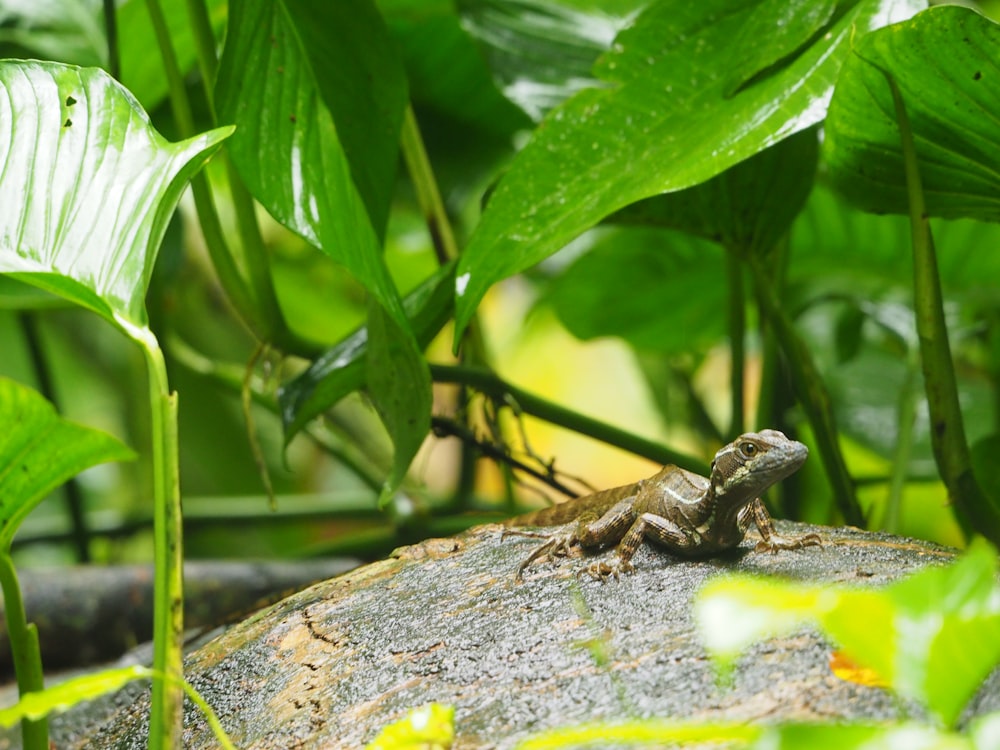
[668, 487]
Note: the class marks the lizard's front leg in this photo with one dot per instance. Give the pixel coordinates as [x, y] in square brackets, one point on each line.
[771, 540]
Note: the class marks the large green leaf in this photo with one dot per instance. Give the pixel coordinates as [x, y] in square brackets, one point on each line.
[318, 94]
[682, 103]
[945, 62]
[39, 451]
[87, 186]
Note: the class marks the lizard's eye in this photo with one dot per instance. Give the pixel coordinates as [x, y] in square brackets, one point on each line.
[748, 449]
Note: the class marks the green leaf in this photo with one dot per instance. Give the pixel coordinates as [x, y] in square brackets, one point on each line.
[318, 95]
[747, 208]
[39, 451]
[944, 61]
[910, 736]
[736, 611]
[341, 369]
[662, 122]
[398, 383]
[67, 694]
[429, 727]
[915, 633]
[619, 288]
[88, 186]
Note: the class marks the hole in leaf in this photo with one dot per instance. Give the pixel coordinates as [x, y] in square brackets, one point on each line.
[68, 123]
[70, 101]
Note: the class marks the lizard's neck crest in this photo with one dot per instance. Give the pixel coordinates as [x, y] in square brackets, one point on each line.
[744, 469]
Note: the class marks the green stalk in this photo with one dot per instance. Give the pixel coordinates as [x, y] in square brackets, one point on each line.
[951, 450]
[905, 414]
[168, 553]
[428, 195]
[253, 254]
[25, 651]
[111, 32]
[255, 300]
[737, 340]
[493, 386]
[812, 392]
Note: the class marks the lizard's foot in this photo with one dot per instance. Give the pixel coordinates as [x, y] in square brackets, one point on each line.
[556, 545]
[776, 543]
[601, 571]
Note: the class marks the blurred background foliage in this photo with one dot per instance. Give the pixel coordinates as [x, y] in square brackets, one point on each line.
[627, 324]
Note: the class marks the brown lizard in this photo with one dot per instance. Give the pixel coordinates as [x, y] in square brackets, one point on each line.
[687, 513]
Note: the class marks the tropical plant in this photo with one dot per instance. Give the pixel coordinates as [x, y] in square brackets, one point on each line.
[689, 176]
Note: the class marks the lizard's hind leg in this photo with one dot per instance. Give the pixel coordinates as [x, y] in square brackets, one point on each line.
[555, 545]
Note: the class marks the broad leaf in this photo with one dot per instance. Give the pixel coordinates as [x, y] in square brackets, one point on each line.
[39, 451]
[87, 186]
[825, 736]
[944, 61]
[658, 290]
[318, 121]
[666, 119]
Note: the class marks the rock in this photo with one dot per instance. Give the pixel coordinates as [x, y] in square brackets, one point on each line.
[445, 621]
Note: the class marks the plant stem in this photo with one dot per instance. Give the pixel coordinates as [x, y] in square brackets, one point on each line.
[24, 649]
[812, 392]
[111, 32]
[168, 553]
[905, 414]
[490, 384]
[737, 338]
[253, 299]
[951, 451]
[428, 195]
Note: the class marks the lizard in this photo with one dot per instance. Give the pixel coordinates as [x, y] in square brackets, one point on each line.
[688, 514]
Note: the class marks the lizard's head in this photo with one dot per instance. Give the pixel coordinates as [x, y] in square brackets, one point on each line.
[753, 462]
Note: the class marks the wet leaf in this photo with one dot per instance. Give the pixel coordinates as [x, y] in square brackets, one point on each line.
[944, 61]
[662, 121]
[88, 186]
